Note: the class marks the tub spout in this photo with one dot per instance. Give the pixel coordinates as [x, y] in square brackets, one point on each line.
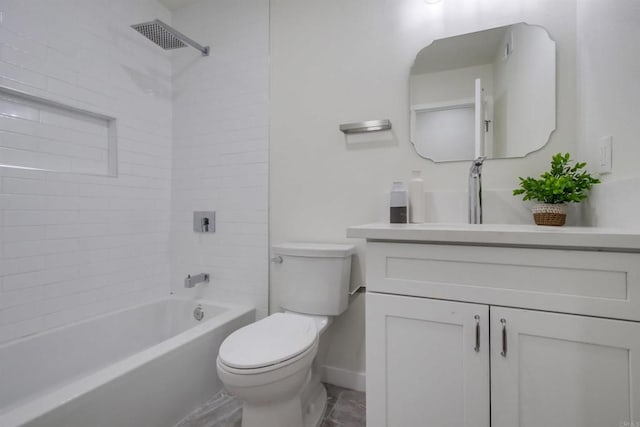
[191, 281]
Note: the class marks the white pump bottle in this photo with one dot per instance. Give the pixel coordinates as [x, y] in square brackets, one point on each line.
[417, 208]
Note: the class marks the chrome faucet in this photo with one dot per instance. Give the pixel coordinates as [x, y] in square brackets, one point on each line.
[191, 281]
[475, 191]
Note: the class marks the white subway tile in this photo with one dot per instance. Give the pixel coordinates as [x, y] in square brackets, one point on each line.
[21, 329]
[77, 245]
[21, 75]
[9, 266]
[39, 217]
[71, 242]
[20, 297]
[23, 233]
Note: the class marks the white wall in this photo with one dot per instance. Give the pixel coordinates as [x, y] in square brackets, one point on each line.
[341, 61]
[609, 92]
[220, 150]
[72, 245]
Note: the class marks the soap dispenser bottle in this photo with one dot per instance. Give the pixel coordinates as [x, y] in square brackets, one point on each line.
[417, 209]
[398, 211]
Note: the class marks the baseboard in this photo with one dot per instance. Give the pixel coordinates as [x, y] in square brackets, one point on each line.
[344, 378]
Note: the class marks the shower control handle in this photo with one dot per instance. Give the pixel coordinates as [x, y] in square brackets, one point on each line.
[204, 221]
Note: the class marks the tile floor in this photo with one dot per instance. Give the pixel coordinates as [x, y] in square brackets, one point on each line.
[345, 408]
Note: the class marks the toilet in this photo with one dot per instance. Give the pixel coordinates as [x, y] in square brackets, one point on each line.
[269, 365]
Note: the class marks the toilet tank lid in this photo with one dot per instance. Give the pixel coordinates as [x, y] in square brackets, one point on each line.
[321, 250]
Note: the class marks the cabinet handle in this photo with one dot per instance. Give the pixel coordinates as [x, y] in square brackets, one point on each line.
[477, 347]
[503, 353]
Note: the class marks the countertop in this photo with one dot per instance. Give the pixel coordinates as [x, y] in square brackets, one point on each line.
[510, 235]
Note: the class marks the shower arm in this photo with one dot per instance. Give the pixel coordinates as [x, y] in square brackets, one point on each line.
[177, 34]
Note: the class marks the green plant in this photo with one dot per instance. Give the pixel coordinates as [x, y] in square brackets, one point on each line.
[562, 184]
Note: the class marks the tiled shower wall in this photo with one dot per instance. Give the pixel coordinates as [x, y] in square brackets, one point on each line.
[73, 246]
[220, 150]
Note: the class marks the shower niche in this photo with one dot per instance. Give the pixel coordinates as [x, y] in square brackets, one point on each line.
[47, 135]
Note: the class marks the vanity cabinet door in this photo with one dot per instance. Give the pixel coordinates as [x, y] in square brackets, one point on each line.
[559, 370]
[427, 362]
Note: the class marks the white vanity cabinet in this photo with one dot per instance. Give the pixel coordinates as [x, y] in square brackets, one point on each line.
[563, 370]
[427, 362]
[462, 333]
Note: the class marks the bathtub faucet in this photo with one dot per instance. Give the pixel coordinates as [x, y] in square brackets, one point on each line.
[191, 281]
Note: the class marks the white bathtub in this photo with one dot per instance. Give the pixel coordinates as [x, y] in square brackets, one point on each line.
[147, 366]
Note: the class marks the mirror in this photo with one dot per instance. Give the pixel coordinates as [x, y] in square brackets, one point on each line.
[490, 93]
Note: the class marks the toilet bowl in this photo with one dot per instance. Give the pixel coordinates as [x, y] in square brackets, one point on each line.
[266, 365]
[270, 365]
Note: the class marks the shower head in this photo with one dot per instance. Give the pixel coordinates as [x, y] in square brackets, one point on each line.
[166, 37]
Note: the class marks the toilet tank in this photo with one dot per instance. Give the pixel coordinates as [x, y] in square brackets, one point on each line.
[313, 278]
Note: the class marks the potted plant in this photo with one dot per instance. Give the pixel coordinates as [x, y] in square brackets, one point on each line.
[565, 183]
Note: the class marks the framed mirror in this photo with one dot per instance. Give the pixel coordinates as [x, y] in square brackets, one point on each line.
[491, 93]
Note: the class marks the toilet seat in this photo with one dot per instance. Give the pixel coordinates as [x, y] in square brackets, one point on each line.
[268, 344]
[270, 373]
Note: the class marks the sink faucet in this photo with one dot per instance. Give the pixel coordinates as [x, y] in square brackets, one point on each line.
[475, 191]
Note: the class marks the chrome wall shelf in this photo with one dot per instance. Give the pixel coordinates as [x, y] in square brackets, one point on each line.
[366, 126]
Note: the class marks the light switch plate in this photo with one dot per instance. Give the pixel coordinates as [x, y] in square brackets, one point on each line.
[204, 221]
[605, 153]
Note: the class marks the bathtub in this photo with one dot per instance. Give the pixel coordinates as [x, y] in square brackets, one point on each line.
[146, 366]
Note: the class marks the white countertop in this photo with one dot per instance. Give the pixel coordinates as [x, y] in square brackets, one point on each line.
[589, 238]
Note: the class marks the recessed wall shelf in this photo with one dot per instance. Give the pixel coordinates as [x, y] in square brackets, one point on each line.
[42, 134]
[366, 126]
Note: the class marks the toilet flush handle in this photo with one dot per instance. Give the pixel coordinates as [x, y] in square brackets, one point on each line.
[277, 259]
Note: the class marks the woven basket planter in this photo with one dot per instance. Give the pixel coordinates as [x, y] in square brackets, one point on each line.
[549, 214]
